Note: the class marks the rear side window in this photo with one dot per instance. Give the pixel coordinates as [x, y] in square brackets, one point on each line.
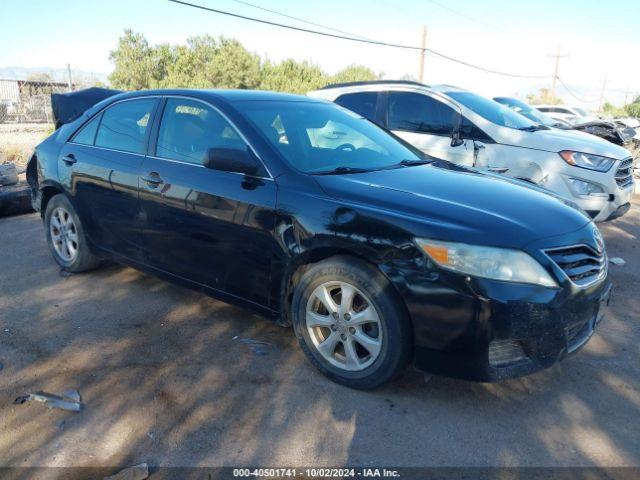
[87, 134]
[414, 112]
[124, 125]
[363, 103]
[189, 128]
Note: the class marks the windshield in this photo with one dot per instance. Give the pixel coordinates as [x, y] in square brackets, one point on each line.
[323, 137]
[581, 111]
[492, 111]
[526, 110]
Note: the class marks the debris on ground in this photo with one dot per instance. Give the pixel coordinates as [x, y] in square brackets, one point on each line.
[137, 472]
[15, 199]
[257, 346]
[68, 400]
[617, 261]
[8, 174]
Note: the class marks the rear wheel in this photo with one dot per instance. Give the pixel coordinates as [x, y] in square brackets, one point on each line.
[66, 237]
[350, 323]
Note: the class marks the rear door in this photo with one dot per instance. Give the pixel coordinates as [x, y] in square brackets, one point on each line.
[428, 123]
[100, 166]
[208, 226]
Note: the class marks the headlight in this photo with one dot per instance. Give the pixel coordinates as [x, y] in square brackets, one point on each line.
[582, 187]
[587, 160]
[489, 262]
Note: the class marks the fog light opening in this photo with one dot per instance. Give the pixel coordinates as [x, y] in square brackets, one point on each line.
[506, 352]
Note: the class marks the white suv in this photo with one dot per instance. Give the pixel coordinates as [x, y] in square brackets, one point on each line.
[573, 115]
[468, 129]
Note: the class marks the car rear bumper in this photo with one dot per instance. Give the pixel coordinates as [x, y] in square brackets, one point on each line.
[485, 330]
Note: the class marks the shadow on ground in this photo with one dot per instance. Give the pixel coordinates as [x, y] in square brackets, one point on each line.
[165, 382]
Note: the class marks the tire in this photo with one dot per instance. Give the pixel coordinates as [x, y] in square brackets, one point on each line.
[66, 237]
[371, 346]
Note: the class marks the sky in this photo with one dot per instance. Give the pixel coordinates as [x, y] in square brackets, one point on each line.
[601, 38]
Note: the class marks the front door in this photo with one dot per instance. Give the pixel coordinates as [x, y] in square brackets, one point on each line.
[208, 226]
[427, 123]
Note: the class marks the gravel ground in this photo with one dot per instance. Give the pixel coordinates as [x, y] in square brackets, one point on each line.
[165, 382]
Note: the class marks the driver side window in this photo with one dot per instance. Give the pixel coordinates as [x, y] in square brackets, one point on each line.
[189, 128]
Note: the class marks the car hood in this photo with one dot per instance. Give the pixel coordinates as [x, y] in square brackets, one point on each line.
[556, 140]
[447, 202]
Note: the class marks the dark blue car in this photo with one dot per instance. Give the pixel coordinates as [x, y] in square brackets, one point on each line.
[377, 255]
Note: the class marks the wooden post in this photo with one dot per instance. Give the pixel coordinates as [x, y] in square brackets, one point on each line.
[422, 52]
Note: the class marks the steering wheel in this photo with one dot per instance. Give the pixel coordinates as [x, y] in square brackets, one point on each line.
[346, 146]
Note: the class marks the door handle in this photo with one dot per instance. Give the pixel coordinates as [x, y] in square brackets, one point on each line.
[69, 159]
[153, 180]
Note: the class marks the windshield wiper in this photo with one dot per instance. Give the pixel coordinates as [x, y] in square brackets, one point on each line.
[343, 170]
[412, 163]
[533, 128]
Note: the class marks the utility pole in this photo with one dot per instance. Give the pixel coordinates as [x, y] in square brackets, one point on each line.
[69, 83]
[557, 56]
[604, 85]
[422, 52]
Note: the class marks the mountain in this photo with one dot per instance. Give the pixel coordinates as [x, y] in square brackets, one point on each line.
[58, 74]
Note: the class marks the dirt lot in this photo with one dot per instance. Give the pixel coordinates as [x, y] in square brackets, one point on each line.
[17, 141]
[165, 382]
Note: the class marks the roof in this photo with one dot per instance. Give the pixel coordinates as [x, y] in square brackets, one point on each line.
[408, 83]
[374, 82]
[229, 95]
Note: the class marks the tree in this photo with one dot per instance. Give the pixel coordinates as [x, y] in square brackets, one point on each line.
[209, 62]
[292, 76]
[134, 61]
[354, 73]
[544, 97]
[633, 109]
[611, 110]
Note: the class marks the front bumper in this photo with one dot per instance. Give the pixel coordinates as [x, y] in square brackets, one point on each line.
[517, 332]
[612, 204]
[486, 330]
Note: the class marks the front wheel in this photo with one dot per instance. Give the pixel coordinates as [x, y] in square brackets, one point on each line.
[66, 237]
[350, 323]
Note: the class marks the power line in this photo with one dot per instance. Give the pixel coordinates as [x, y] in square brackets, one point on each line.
[464, 15]
[570, 92]
[299, 19]
[352, 38]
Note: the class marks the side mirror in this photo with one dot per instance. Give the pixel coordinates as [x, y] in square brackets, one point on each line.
[231, 160]
[456, 139]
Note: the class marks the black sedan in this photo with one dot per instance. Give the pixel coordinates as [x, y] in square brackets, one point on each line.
[377, 255]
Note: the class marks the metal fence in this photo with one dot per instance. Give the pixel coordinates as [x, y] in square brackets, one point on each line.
[27, 101]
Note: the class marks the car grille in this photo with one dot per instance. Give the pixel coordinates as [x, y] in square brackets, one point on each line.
[624, 177]
[581, 263]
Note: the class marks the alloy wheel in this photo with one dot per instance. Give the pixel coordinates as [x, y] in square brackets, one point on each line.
[344, 326]
[64, 234]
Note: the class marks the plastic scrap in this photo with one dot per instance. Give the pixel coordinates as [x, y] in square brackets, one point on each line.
[257, 346]
[617, 261]
[137, 472]
[68, 400]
